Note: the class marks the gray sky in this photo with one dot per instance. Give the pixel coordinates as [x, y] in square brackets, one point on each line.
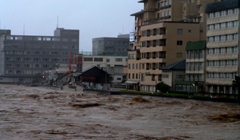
[94, 18]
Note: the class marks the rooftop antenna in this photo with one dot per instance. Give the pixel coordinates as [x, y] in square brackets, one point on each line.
[57, 21]
[23, 28]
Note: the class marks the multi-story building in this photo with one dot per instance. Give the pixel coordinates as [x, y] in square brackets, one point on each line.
[25, 56]
[222, 56]
[110, 45]
[112, 64]
[163, 29]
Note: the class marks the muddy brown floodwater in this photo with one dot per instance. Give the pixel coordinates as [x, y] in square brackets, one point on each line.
[38, 113]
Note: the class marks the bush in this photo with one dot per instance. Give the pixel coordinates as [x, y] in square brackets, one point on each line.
[162, 87]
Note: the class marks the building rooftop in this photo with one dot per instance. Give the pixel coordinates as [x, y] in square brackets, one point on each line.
[181, 65]
[222, 5]
[198, 45]
[137, 13]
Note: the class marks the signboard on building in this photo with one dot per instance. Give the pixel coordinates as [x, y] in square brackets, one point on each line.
[131, 37]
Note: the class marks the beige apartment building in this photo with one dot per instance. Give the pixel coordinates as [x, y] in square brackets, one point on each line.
[162, 30]
[222, 46]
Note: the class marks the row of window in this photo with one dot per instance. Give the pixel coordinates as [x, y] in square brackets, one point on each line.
[222, 38]
[225, 50]
[38, 52]
[148, 66]
[149, 88]
[194, 77]
[137, 76]
[131, 56]
[196, 54]
[28, 65]
[164, 14]
[153, 32]
[90, 59]
[27, 72]
[164, 3]
[36, 59]
[110, 42]
[154, 43]
[223, 25]
[197, 66]
[223, 13]
[221, 75]
[39, 38]
[223, 63]
[153, 55]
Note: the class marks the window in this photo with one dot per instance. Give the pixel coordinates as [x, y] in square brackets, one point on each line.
[179, 42]
[88, 59]
[223, 25]
[215, 75]
[229, 63]
[166, 13]
[216, 51]
[223, 13]
[229, 24]
[118, 59]
[216, 38]
[235, 37]
[136, 66]
[235, 24]
[136, 76]
[133, 67]
[229, 12]
[129, 66]
[222, 63]
[215, 63]
[222, 50]
[166, 3]
[144, 33]
[133, 76]
[229, 50]
[134, 56]
[229, 37]
[169, 2]
[235, 11]
[129, 76]
[210, 63]
[223, 37]
[107, 60]
[142, 77]
[235, 49]
[179, 31]
[179, 55]
[235, 63]
[221, 76]
[217, 14]
[169, 13]
[228, 75]
[209, 75]
[210, 51]
[144, 44]
[129, 56]
[143, 66]
[216, 26]
[210, 27]
[98, 59]
[211, 15]
[210, 39]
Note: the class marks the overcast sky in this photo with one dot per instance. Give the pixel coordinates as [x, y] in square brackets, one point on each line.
[94, 18]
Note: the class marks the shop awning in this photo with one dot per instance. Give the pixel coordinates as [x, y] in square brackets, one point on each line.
[131, 82]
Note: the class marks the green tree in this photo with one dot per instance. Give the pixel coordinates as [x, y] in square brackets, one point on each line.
[162, 87]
